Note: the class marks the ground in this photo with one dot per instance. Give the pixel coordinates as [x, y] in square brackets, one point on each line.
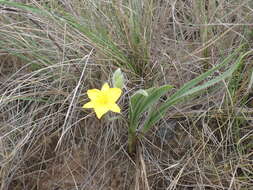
[52, 52]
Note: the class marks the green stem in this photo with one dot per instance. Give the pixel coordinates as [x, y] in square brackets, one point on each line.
[132, 140]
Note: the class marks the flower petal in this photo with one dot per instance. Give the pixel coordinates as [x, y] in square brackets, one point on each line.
[93, 93]
[100, 111]
[88, 105]
[114, 94]
[114, 108]
[105, 87]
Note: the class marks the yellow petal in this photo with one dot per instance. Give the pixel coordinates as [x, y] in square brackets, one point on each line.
[88, 105]
[105, 87]
[100, 111]
[93, 93]
[114, 108]
[114, 94]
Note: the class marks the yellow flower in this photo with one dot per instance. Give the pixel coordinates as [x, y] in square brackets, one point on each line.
[103, 100]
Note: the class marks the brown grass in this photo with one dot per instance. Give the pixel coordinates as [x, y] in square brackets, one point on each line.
[47, 141]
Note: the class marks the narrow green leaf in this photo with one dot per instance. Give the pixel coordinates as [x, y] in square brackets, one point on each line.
[135, 98]
[250, 82]
[140, 103]
[141, 92]
[186, 90]
[203, 76]
[153, 97]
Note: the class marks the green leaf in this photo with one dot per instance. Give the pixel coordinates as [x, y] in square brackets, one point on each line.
[189, 89]
[142, 100]
[153, 97]
[143, 92]
[250, 82]
[135, 98]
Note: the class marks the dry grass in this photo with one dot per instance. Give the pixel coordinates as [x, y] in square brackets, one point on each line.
[52, 53]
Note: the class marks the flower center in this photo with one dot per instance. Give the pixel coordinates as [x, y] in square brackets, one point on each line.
[103, 100]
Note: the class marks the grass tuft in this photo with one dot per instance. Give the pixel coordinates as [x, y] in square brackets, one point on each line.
[51, 52]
